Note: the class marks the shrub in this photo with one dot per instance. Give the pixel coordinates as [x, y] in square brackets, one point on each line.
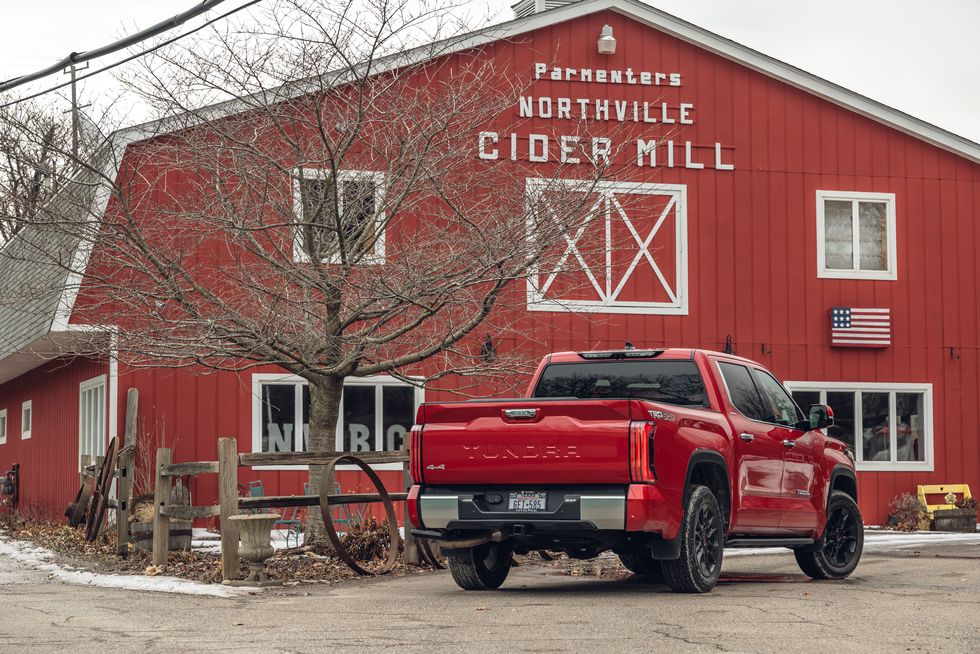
[909, 511]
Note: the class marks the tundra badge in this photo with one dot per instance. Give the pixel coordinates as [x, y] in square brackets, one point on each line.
[521, 413]
[441, 466]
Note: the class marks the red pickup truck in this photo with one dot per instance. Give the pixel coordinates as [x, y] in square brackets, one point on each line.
[665, 457]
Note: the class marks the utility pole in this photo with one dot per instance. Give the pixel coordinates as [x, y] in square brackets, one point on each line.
[75, 121]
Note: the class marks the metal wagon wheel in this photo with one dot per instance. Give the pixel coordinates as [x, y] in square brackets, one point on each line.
[394, 538]
[102, 482]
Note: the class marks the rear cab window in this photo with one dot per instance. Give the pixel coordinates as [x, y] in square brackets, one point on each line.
[667, 381]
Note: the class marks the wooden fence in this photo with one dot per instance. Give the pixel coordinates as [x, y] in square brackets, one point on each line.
[229, 502]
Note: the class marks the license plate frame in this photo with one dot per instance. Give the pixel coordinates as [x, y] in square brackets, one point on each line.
[527, 501]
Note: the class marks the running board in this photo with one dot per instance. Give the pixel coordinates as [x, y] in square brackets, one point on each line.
[768, 542]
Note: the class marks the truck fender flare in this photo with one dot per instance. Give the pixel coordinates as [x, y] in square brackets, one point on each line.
[841, 471]
[717, 460]
[671, 549]
[705, 456]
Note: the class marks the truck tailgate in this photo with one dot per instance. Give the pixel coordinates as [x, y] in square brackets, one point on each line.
[546, 441]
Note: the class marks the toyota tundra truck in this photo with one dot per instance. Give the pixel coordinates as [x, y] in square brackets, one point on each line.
[664, 456]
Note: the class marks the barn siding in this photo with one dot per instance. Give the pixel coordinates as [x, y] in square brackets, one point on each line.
[752, 254]
[49, 459]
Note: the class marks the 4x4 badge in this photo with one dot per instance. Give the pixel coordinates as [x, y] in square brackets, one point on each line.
[441, 466]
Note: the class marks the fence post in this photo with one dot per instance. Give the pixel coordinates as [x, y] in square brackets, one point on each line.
[161, 500]
[411, 546]
[228, 498]
[124, 491]
[126, 467]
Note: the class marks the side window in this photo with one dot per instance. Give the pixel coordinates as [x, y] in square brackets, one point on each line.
[783, 408]
[356, 196]
[744, 395]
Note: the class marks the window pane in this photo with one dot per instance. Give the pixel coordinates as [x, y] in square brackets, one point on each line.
[306, 418]
[874, 416]
[278, 417]
[318, 222]
[743, 394]
[672, 382]
[843, 406]
[911, 426]
[359, 412]
[782, 407]
[398, 414]
[838, 235]
[873, 236]
[358, 214]
[805, 398]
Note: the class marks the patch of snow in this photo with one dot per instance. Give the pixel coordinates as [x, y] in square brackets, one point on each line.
[40, 559]
[881, 540]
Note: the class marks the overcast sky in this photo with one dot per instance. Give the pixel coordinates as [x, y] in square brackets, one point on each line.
[920, 57]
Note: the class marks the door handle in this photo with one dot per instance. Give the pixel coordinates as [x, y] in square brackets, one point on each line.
[746, 436]
[789, 443]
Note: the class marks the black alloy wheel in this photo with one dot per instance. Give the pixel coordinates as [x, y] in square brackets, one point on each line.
[707, 544]
[840, 541]
[699, 566]
[839, 550]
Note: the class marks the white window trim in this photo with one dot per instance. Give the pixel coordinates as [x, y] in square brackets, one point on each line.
[25, 434]
[891, 274]
[375, 258]
[882, 387]
[608, 301]
[5, 422]
[379, 381]
[87, 385]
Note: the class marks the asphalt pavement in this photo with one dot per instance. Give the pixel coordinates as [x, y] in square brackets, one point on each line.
[920, 599]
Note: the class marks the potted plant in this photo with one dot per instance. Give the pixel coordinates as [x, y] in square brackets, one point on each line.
[962, 518]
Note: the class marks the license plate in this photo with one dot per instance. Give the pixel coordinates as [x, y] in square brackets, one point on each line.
[526, 501]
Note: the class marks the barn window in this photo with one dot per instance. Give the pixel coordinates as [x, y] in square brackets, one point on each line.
[376, 413]
[887, 426]
[92, 417]
[628, 255]
[3, 426]
[339, 213]
[856, 235]
[26, 419]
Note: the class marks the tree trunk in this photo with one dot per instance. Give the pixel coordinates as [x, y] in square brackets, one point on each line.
[325, 393]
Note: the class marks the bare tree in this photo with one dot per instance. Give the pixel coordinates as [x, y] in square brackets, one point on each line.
[31, 137]
[330, 216]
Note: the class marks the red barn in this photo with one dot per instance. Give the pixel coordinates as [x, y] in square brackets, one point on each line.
[788, 219]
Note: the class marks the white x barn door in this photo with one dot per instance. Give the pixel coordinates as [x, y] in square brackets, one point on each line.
[628, 255]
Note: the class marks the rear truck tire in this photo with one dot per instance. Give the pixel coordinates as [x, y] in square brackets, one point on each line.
[483, 567]
[642, 564]
[839, 550]
[702, 547]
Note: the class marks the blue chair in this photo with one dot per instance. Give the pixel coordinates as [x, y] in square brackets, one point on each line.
[344, 514]
[289, 520]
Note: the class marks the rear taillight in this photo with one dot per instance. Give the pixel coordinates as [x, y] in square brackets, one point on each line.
[641, 451]
[415, 454]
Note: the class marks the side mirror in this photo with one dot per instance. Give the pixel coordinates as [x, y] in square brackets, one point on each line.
[821, 416]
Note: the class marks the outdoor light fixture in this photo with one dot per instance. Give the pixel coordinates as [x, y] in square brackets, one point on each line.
[607, 42]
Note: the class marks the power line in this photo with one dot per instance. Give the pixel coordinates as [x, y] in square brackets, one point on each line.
[106, 50]
[133, 39]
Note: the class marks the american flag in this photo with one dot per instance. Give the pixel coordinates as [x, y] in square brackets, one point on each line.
[852, 327]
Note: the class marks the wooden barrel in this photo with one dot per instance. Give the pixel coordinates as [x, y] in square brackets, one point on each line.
[954, 520]
[180, 535]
